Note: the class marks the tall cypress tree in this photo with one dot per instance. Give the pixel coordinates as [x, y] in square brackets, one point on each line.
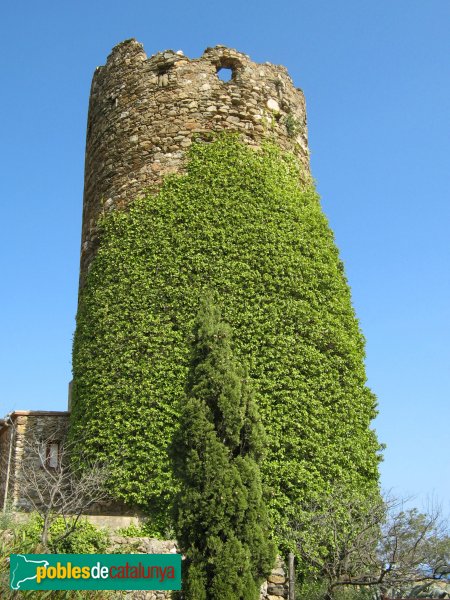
[221, 517]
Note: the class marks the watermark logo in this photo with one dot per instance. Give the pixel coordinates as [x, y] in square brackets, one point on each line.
[95, 571]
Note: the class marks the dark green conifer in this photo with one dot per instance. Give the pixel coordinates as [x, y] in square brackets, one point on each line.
[221, 517]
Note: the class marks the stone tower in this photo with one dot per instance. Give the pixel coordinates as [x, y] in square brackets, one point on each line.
[144, 113]
[259, 242]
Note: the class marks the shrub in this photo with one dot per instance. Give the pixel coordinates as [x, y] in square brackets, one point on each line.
[84, 539]
[7, 518]
[24, 538]
[131, 530]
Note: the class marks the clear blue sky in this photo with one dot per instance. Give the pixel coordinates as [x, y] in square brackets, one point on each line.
[376, 75]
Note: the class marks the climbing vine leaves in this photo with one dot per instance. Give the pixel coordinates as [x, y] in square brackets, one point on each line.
[241, 224]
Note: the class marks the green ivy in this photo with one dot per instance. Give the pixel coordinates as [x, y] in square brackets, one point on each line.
[292, 125]
[239, 222]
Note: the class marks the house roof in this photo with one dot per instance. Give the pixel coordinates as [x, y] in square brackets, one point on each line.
[31, 413]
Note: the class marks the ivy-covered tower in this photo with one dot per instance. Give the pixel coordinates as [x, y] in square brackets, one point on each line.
[193, 186]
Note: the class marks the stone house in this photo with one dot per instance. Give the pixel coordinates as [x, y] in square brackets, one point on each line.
[20, 434]
[31, 440]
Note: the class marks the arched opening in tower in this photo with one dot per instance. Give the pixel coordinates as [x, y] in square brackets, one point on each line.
[225, 74]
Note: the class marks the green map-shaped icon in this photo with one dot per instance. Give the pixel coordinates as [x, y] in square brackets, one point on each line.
[23, 569]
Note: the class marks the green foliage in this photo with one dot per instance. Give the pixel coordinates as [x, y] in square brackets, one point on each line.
[7, 520]
[24, 538]
[317, 589]
[240, 223]
[131, 530]
[369, 547]
[146, 529]
[338, 535]
[292, 125]
[84, 539]
[221, 516]
[312, 589]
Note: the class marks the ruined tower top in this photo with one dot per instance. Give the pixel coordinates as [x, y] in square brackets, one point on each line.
[144, 113]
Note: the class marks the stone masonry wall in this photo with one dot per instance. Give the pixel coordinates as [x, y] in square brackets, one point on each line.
[6, 434]
[24, 440]
[144, 113]
[30, 429]
[21, 433]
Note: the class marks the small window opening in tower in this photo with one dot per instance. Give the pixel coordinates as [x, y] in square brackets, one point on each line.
[225, 74]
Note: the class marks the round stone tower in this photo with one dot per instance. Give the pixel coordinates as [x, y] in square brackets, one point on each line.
[144, 113]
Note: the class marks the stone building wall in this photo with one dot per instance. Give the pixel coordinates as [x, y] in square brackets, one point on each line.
[144, 113]
[25, 437]
[20, 434]
[6, 447]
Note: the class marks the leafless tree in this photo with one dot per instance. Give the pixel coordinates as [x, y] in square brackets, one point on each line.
[372, 542]
[54, 487]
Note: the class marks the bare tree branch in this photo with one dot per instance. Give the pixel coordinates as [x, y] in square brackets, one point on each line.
[371, 542]
[61, 490]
